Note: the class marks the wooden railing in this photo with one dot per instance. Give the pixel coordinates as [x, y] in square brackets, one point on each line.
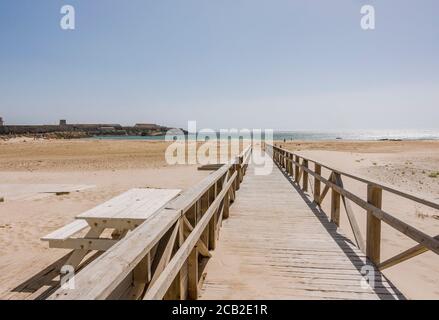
[298, 167]
[164, 257]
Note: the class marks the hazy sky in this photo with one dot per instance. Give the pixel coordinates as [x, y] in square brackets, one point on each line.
[282, 64]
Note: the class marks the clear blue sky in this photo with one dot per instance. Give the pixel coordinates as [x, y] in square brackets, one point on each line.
[279, 64]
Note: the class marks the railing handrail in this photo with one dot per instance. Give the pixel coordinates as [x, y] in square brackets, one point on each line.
[290, 162]
[417, 198]
[159, 288]
[102, 278]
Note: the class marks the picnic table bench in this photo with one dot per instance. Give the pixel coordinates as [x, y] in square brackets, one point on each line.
[121, 214]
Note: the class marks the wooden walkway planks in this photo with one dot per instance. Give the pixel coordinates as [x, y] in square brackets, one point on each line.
[278, 245]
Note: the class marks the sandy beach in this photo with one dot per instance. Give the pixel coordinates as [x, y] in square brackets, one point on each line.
[106, 168]
[97, 170]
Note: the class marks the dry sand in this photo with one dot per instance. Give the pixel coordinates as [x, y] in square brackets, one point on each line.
[102, 169]
[107, 167]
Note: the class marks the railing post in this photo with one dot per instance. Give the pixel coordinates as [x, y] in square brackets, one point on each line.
[317, 170]
[241, 169]
[232, 194]
[226, 209]
[213, 220]
[237, 181]
[283, 160]
[238, 170]
[335, 202]
[305, 176]
[193, 274]
[181, 288]
[290, 164]
[203, 208]
[191, 214]
[373, 233]
[296, 173]
[141, 276]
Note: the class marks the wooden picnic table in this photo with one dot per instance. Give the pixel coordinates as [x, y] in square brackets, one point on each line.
[129, 209]
[121, 214]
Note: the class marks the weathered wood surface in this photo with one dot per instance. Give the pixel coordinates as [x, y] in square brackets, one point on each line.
[138, 203]
[67, 231]
[278, 245]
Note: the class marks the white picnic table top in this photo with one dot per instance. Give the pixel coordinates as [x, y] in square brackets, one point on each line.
[135, 204]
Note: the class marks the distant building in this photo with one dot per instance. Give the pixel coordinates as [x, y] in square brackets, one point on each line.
[107, 129]
[1, 122]
[147, 126]
[62, 122]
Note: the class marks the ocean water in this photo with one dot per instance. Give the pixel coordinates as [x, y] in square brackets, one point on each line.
[359, 135]
[362, 135]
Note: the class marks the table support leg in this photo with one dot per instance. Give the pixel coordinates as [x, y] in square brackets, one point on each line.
[78, 255]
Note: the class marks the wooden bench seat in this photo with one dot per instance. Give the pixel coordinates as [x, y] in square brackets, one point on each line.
[67, 231]
[62, 238]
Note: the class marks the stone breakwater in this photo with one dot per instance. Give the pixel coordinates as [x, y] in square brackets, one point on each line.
[70, 131]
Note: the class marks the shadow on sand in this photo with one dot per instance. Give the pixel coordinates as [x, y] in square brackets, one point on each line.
[41, 285]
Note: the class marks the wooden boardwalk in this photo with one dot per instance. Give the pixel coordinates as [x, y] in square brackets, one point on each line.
[278, 245]
[238, 235]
